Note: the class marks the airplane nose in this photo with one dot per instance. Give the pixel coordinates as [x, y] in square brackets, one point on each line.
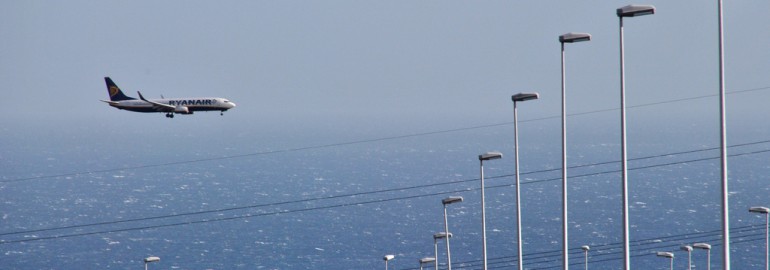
[232, 104]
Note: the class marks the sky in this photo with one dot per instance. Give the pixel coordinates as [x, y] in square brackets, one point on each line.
[370, 64]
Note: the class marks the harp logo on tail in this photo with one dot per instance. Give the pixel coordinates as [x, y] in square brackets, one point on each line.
[114, 90]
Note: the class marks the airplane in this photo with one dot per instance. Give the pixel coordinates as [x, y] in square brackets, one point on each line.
[169, 106]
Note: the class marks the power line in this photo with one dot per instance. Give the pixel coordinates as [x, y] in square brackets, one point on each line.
[307, 200]
[137, 167]
[661, 243]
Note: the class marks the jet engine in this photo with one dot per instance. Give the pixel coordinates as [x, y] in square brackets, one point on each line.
[182, 110]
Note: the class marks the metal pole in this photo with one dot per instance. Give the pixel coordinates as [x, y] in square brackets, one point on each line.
[145, 265]
[723, 147]
[767, 241]
[435, 251]
[446, 229]
[519, 255]
[483, 218]
[672, 263]
[624, 156]
[586, 258]
[689, 260]
[564, 230]
[708, 260]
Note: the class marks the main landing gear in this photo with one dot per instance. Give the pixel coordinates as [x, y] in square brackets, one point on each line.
[169, 115]
[222, 113]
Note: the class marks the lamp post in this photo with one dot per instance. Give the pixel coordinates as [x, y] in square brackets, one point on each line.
[723, 147]
[149, 260]
[445, 201]
[566, 38]
[667, 255]
[626, 11]
[765, 211]
[482, 158]
[689, 255]
[707, 247]
[436, 237]
[519, 98]
[427, 260]
[585, 251]
[388, 258]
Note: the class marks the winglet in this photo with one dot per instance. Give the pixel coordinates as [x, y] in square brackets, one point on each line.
[140, 96]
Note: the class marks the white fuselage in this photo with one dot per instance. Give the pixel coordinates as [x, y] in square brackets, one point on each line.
[181, 105]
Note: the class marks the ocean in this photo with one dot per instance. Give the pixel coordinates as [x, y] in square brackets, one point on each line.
[107, 198]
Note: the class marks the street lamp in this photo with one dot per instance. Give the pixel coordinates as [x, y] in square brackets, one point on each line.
[519, 98]
[626, 11]
[388, 258]
[689, 255]
[427, 260]
[445, 201]
[566, 38]
[436, 237]
[482, 158]
[150, 260]
[765, 211]
[723, 147]
[667, 255]
[585, 251]
[707, 247]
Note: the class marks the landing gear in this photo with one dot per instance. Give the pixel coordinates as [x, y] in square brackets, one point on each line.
[169, 115]
[222, 113]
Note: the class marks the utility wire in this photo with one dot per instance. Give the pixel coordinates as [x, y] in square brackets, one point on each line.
[672, 242]
[137, 167]
[291, 211]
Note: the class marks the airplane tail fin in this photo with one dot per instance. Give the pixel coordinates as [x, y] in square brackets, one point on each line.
[114, 91]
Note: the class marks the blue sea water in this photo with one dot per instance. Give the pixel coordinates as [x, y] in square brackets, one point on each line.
[264, 200]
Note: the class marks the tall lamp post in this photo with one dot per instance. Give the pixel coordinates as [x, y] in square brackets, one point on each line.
[436, 237]
[765, 211]
[519, 98]
[689, 255]
[585, 251]
[566, 38]
[667, 255]
[388, 258]
[626, 11]
[482, 158]
[445, 201]
[723, 147]
[427, 260]
[149, 260]
[706, 247]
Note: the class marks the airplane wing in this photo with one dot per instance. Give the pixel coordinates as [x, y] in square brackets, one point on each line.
[160, 107]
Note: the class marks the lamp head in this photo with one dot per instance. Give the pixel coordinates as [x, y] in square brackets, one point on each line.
[490, 156]
[702, 246]
[759, 209]
[388, 257]
[525, 96]
[635, 10]
[573, 37]
[427, 260]
[665, 254]
[151, 259]
[441, 235]
[452, 199]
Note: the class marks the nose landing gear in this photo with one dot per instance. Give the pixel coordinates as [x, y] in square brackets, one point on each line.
[169, 115]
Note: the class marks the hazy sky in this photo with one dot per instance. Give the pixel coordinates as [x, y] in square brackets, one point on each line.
[371, 63]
